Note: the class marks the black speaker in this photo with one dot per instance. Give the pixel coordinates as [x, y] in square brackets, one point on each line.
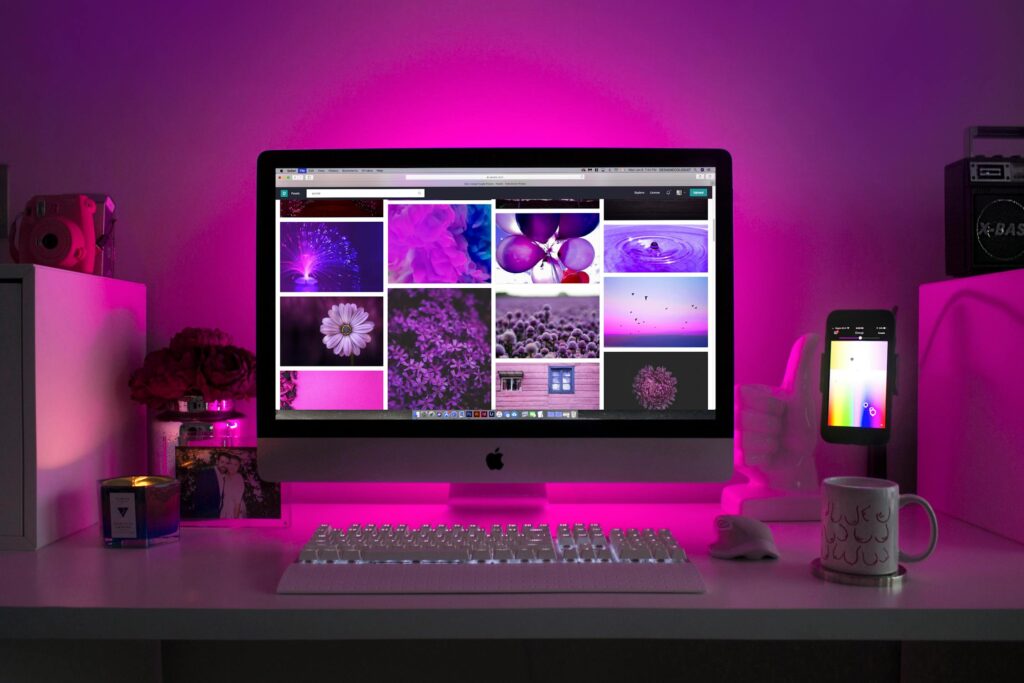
[985, 208]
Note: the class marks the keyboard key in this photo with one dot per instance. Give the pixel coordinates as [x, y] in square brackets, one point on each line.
[546, 554]
[414, 555]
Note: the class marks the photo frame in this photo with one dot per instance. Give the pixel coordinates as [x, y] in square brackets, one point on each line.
[220, 486]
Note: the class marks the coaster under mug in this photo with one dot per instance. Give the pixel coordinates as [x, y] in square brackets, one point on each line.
[894, 580]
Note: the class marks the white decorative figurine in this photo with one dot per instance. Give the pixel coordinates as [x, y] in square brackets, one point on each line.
[777, 433]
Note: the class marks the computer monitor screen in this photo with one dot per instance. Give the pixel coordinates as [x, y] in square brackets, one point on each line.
[447, 294]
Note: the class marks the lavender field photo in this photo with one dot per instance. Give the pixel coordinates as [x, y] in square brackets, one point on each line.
[555, 326]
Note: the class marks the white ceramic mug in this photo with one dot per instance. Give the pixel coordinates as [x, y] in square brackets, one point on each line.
[860, 525]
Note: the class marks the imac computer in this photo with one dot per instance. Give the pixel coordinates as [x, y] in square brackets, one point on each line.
[495, 315]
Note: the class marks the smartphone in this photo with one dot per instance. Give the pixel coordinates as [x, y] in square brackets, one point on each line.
[858, 374]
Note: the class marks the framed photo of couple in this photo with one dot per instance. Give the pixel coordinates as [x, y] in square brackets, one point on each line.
[220, 486]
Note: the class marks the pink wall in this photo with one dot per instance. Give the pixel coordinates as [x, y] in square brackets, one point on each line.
[839, 118]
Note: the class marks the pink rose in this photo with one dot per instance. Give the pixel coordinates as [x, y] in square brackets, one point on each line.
[164, 377]
[229, 372]
[198, 337]
[199, 361]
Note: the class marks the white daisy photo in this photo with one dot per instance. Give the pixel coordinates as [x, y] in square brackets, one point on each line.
[346, 329]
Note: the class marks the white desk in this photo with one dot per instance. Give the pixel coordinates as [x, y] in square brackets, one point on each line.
[173, 606]
[219, 583]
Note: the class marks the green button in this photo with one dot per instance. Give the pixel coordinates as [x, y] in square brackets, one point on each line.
[698, 192]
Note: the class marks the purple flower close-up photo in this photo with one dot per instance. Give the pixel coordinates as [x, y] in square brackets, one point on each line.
[324, 331]
[439, 349]
[654, 387]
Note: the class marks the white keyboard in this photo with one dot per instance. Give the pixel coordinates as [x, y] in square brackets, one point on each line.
[578, 558]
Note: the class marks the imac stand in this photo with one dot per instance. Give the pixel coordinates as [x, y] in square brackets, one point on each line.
[497, 496]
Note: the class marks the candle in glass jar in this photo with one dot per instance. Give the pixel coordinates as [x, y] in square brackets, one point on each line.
[139, 512]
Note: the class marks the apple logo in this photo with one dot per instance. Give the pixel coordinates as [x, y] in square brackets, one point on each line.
[494, 460]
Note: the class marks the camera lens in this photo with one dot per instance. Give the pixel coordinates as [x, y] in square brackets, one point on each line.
[49, 241]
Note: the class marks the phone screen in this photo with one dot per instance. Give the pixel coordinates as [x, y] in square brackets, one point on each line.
[858, 372]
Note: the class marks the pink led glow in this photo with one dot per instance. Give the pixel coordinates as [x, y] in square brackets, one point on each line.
[812, 212]
[394, 493]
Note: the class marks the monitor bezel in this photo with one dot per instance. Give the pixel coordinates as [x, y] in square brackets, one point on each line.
[268, 383]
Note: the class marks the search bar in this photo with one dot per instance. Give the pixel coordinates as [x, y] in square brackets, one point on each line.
[494, 176]
[362, 193]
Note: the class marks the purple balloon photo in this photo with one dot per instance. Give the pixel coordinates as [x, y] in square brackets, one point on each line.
[577, 225]
[576, 253]
[539, 227]
[518, 254]
[548, 248]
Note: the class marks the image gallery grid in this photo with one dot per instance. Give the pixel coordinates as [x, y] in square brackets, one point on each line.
[455, 308]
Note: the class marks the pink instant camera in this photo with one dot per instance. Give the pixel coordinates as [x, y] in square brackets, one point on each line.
[69, 231]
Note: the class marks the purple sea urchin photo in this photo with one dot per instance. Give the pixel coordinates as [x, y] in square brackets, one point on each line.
[654, 387]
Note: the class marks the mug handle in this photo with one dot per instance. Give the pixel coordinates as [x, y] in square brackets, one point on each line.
[907, 499]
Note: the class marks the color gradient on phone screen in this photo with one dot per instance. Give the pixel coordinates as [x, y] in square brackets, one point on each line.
[857, 377]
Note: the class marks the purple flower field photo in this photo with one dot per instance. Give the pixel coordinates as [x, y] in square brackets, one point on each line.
[559, 326]
[439, 349]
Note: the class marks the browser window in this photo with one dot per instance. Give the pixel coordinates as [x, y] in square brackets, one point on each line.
[487, 293]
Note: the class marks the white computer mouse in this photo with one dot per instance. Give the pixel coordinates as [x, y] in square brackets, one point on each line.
[743, 537]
